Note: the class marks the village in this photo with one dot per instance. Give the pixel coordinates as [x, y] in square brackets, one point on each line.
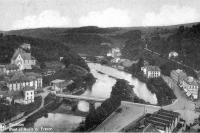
[186, 89]
[22, 87]
[22, 84]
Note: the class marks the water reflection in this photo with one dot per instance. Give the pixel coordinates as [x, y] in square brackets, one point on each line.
[103, 85]
[59, 122]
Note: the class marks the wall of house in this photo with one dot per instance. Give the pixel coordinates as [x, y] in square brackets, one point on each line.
[28, 96]
[36, 84]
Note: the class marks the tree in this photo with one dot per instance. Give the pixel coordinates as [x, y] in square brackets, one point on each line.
[122, 90]
[42, 65]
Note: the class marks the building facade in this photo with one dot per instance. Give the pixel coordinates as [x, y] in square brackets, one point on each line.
[9, 69]
[189, 84]
[151, 71]
[23, 59]
[28, 96]
[25, 96]
[17, 82]
[59, 85]
[164, 120]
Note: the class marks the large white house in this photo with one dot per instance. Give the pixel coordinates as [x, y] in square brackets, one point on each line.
[20, 80]
[23, 59]
[26, 97]
[151, 71]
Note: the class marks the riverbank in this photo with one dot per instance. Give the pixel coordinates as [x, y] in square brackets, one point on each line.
[70, 107]
[164, 93]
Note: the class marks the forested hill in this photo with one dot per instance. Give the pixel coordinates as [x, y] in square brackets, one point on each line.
[82, 40]
[185, 41]
[42, 50]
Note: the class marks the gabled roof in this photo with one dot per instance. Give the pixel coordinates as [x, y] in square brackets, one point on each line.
[24, 55]
[56, 81]
[28, 88]
[152, 68]
[150, 128]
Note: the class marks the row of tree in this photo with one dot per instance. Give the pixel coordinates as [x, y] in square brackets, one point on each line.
[120, 91]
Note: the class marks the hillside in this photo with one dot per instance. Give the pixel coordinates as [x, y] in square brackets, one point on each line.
[42, 50]
[89, 40]
[85, 40]
[185, 41]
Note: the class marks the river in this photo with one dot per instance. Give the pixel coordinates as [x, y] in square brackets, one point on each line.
[101, 88]
[104, 83]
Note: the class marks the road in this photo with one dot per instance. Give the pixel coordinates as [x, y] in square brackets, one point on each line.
[129, 114]
[43, 95]
[182, 104]
[172, 60]
[81, 97]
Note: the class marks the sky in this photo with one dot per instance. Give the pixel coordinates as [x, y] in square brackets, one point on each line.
[23, 14]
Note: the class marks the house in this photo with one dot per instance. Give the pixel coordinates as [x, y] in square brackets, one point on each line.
[20, 80]
[59, 85]
[190, 86]
[178, 75]
[6, 97]
[26, 46]
[151, 71]
[2, 127]
[173, 54]
[23, 59]
[115, 53]
[9, 69]
[164, 120]
[25, 96]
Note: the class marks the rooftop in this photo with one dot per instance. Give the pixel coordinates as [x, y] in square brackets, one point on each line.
[152, 68]
[150, 128]
[27, 88]
[24, 55]
[163, 118]
[57, 81]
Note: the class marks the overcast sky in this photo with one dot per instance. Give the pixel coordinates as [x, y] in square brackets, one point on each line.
[18, 14]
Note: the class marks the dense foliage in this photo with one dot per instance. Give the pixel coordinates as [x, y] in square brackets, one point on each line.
[163, 92]
[120, 91]
[185, 41]
[42, 50]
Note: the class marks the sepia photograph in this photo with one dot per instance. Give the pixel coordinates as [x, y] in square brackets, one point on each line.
[100, 66]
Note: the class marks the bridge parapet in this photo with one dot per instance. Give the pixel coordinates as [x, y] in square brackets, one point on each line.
[81, 97]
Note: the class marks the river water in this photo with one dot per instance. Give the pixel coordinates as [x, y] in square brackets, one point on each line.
[101, 89]
[104, 83]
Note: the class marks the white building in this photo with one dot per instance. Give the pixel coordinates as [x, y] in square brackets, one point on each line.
[26, 46]
[115, 53]
[23, 59]
[19, 81]
[173, 54]
[151, 71]
[26, 96]
[190, 86]
[58, 85]
[9, 69]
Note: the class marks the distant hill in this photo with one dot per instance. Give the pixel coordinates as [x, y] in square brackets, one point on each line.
[42, 50]
[89, 40]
